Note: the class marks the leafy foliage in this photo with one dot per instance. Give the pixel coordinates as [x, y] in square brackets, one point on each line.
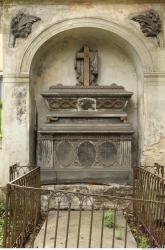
[143, 242]
[109, 218]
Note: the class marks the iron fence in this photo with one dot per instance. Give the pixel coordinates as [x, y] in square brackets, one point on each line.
[156, 169]
[84, 220]
[16, 171]
[75, 219]
[22, 208]
[149, 186]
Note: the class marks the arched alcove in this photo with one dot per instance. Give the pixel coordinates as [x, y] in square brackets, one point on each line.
[54, 64]
[123, 59]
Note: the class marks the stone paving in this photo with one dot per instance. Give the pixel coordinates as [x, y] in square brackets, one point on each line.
[84, 233]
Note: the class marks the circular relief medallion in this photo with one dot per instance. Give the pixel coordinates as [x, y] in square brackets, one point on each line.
[65, 153]
[86, 154]
[107, 153]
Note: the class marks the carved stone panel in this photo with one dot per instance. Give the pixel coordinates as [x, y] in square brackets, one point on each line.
[107, 153]
[86, 154]
[65, 153]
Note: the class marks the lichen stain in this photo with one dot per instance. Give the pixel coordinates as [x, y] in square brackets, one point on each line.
[155, 153]
[19, 101]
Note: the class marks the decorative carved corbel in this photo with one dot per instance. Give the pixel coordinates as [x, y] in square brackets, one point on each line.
[21, 27]
[150, 24]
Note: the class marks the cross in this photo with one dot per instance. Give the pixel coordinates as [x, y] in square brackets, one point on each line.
[86, 69]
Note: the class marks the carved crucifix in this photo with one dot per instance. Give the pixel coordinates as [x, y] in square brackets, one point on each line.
[86, 66]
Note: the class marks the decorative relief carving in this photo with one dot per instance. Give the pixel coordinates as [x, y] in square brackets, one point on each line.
[110, 104]
[65, 103]
[150, 24]
[86, 104]
[21, 26]
[85, 151]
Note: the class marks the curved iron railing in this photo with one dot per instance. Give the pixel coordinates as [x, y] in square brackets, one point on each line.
[70, 210]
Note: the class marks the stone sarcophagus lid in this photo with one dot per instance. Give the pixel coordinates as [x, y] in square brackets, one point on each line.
[86, 137]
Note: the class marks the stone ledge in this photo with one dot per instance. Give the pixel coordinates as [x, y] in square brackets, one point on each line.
[111, 190]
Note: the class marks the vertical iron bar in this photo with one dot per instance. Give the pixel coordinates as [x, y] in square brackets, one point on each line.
[91, 224]
[46, 224]
[102, 229]
[67, 229]
[79, 226]
[114, 228]
[126, 231]
[5, 232]
[56, 229]
[35, 222]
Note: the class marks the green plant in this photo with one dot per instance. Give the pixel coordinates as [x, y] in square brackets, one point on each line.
[119, 234]
[143, 242]
[109, 218]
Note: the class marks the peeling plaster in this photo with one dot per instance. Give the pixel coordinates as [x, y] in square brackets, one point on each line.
[155, 153]
[19, 102]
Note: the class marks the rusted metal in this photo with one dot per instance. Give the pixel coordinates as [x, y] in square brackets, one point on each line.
[67, 229]
[114, 227]
[21, 205]
[102, 228]
[23, 209]
[126, 231]
[16, 171]
[150, 186]
[91, 226]
[79, 226]
[56, 229]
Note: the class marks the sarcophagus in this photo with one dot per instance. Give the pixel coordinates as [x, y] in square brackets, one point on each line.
[86, 136]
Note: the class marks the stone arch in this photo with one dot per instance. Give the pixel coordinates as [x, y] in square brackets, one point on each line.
[130, 41]
[133, 45]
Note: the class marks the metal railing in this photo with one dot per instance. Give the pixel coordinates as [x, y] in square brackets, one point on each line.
[149, 186]
[156, 169]
[75, 219]
[22, 208]
[79, 220]
[16, 171]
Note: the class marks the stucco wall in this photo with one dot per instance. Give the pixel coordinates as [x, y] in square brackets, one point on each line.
[118, 64]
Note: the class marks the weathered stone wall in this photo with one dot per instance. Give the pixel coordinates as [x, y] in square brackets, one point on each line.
[139, 65]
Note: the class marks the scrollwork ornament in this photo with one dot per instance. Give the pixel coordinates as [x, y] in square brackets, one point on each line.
[21, 26]
[150, 24]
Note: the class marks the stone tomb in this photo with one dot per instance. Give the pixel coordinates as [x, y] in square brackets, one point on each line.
[86, 137]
